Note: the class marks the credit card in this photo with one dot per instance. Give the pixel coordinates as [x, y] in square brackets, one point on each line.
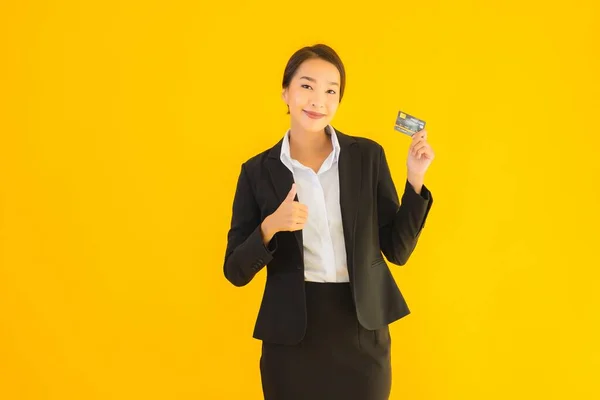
[408, 124]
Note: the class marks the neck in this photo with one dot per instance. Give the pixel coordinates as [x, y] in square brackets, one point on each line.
[304, 142]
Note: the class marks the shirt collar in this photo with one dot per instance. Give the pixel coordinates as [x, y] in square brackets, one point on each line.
[286, 157]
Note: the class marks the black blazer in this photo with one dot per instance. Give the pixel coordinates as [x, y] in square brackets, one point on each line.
[373, 220]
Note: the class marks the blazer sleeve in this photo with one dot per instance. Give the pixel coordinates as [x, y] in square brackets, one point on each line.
[400, 224]
[246, 253]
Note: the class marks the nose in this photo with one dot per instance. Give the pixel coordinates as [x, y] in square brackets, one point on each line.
[318, 101]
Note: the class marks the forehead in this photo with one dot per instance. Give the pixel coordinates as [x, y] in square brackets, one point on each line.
[321, 70]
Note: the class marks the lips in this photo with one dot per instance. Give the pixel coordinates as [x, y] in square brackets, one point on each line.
[314, 115]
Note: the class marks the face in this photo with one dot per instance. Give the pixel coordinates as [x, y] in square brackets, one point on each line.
[313, 95]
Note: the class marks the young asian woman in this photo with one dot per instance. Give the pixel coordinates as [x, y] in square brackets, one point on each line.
[319, 211]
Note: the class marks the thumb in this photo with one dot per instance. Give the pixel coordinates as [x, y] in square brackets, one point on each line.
[292, 193]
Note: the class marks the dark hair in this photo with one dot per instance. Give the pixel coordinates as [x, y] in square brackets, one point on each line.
[321, 51]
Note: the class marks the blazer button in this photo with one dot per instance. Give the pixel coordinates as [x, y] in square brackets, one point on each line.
[298, 267]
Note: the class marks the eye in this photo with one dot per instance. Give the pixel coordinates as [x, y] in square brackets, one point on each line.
[305, 85]
[332, 91]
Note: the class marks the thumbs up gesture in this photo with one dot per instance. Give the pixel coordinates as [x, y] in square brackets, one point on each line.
[289, 216]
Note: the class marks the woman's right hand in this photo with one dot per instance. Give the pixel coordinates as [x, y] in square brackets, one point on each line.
[290, 216]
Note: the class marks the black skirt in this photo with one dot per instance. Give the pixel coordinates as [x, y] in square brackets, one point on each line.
[337, 359]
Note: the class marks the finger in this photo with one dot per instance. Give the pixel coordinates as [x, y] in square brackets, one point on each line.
[301, 219]
[418, 137]
[426, 152]
[422, 134]
[291, 224]
[415, 143]
[419, 146]
[301, 206]
[292, 194]
[424, 147]
[296, 227]
[300, 212]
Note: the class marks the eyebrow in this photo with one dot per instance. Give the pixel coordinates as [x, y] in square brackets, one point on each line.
[308, 78]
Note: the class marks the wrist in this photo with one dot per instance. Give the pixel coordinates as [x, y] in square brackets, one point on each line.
[416, 180]
[267, 230]
[415, 175]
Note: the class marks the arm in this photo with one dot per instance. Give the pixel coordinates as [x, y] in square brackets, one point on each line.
[400, 224]
[248, 251]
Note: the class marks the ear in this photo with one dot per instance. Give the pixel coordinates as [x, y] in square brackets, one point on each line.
[284, 95]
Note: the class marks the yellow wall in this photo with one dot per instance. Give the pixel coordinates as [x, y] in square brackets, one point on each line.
[122, 132]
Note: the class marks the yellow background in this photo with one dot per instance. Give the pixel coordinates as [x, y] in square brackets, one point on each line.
[123, 128]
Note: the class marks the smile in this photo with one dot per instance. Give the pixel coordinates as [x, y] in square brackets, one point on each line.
[313, 115]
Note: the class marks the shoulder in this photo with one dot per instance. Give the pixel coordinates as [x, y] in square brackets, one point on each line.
[255, 167]
[256, 160]
[366, 146]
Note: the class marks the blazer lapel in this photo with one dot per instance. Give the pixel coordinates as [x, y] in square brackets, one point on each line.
[282, 179]
[349, 169]
[350, 172]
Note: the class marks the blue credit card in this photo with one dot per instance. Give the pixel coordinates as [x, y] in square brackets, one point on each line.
[408, 124]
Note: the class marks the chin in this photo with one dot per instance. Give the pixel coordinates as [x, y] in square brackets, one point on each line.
[318, 126]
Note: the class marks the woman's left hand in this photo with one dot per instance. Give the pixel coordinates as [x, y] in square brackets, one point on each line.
[420, 154]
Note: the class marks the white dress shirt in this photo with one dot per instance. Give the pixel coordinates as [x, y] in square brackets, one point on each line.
[323, 235]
